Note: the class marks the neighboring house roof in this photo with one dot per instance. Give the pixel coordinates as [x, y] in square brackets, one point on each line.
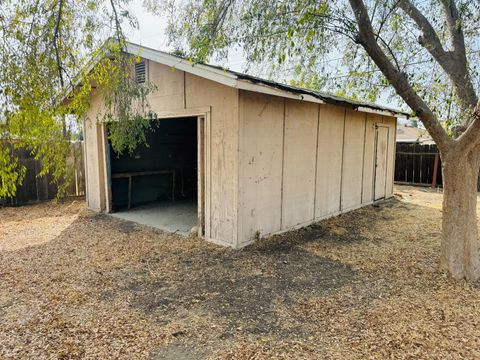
[409, 134]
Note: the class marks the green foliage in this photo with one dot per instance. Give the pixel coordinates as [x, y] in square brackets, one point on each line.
[46, 82]
[11, 173]
[128, 135]
[126, 107]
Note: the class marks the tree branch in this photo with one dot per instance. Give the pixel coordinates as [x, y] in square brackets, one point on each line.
[429, 40]
[118, 25]
[55, 42]
[471, 137]
[454, 22]
[385, 17]
[454, 25]
[454, 63]
[366, 37]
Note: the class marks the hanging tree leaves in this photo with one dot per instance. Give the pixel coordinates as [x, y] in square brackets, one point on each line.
[45, 48]
[127, 111]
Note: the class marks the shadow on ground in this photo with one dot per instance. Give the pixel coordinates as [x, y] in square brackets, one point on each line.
[246, 289]
[111, 288]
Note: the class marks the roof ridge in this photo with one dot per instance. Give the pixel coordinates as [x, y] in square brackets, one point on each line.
[319, 95]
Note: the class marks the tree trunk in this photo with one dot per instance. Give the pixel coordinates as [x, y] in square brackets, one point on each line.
[460, 249]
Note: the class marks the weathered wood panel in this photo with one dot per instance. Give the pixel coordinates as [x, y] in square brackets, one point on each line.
[369, 157]
[381, 160]
[93, 155]
[91, 163]
[170, 84]
[300, 152]
[222, 152]
[261, 152]
[352, 168]
[329, 161]
[392, 123]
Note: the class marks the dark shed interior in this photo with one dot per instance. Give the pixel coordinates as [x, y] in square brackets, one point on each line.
[164, 171]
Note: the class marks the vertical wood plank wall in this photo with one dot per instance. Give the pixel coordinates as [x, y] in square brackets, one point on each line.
[368, 157]
[329, 156]
[260, 172]
[300, 147]
[392, 142]
[300, 162]
[352, 164]
[222, 150]
[272, 163]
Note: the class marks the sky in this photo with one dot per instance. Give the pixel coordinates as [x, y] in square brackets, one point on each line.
[151, 33]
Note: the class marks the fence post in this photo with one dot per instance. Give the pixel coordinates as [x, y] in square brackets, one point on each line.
[435, 171]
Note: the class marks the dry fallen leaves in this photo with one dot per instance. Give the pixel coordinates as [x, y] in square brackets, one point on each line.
[362, 285]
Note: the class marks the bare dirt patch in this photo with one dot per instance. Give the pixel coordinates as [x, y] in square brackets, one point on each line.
[361, 285]
[36, 224]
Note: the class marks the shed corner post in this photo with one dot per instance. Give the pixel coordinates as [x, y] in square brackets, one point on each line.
[105, 198]
[201, 171]
[85, 164]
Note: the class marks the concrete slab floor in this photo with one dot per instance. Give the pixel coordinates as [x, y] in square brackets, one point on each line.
[178, 217]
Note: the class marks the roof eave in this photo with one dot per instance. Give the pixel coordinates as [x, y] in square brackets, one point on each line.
[270, 90]
[244, 82]
[222, 77]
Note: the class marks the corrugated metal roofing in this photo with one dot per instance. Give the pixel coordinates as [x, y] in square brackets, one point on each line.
[247, 82]
[230, 77]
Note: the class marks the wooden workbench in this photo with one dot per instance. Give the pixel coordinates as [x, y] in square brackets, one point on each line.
[130, 175]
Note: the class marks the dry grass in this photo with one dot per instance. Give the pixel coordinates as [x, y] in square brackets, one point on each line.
[361, 285]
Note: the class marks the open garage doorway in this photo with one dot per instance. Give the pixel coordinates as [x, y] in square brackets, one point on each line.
[157, 185]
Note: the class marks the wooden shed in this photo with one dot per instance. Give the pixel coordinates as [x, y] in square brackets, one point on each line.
[256, 157]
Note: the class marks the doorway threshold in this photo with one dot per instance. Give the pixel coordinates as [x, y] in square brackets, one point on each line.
[176, 217]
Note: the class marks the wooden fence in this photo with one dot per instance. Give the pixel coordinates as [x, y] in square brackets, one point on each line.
[415, 164]
[36, 188]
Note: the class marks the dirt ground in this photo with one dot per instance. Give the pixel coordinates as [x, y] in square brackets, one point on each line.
[75, 284]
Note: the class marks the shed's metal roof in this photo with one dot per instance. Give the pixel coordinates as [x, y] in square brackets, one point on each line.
[244, 82]
[252, 83]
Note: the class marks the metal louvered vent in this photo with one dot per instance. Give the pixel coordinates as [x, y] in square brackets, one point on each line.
[140, 72]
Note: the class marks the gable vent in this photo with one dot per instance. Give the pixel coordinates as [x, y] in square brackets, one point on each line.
[140, 72]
